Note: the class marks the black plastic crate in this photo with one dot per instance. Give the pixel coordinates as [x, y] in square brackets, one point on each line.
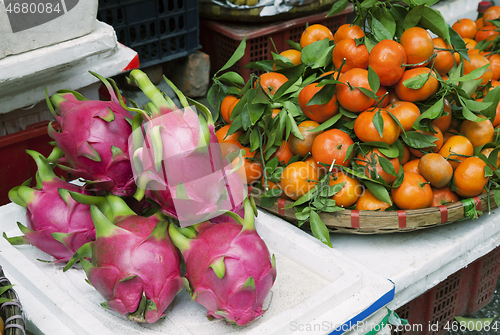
[158, 30]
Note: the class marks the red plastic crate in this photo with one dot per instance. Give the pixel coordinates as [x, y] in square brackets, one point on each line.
[18, 166]
[220, 40]
[463, 293]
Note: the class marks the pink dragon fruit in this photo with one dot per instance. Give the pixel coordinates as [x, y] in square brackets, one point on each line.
[177, 158]
[135, 266]
[94, 138]
[57, 224]
[228, 267]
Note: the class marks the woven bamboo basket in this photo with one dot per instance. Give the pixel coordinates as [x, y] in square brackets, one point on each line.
[215, 12]
[385, 222]
[12, 311]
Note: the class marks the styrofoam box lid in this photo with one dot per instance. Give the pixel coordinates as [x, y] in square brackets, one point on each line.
[24, 77]
[39, 26]
[315, 286]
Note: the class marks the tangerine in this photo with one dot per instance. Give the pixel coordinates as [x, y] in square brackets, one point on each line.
[303, 147]
[456, 149]
[444, 59]
[321, 112]
[443, 196]
[418, 46]
[349, 193]
[435, 169]
[225, 105]
[466, 28]
[368, 202]
[469, 177]
[387, 59]
[349, 96]
[373, 168]
[478, 133]
[331, 146]
[297, 179]
[270, 82]
[365, 130]
[348, 31]
[222, 136]
[413, 193]
[428, 89]
[406, 112]
[314, 33]
[347, 55]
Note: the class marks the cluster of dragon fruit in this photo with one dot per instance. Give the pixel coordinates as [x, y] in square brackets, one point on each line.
[155, 193]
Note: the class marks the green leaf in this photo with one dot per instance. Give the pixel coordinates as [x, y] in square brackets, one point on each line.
[470, 115]
[418, 140]
[380, 30]
[255, 110]
[328, 123]
[413, 17]
[238, 53]
[417, 81]
[319, 229]
[387, 165]
[458, 43]
[294, 45]
[493, 96]
[475, 105]
[213, 98]
[323, 59]
[368, 92]
[267, 201]
[338, 7]
[263, 65]
[367, 4]
[391, 151]
[474, 74]
[435, 22]
[283, 88]
[431, 113]
[323, 96]
[378, 191]
[310, 53]
[373, 79]
[378, 122]
[281, 61]
[254, 139]
[232, 78]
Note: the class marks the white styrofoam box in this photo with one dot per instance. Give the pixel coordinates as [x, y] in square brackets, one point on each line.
[418, 261]
[452, 10]
[20, 118]
[18, 33]
[24, 77]
[315, 285]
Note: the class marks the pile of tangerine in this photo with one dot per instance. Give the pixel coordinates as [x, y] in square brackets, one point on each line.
[428, 172]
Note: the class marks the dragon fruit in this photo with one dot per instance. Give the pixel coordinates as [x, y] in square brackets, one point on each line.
[94, 138]
[135, 266]
[177, 158]
[228, 267]
[57, 224]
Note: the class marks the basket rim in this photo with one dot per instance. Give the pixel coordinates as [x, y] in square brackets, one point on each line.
[333, 221]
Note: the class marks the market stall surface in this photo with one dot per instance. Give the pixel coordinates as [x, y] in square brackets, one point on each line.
[492, 310]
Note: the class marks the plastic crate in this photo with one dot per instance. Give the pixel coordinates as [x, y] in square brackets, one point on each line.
[20, 166]
[463, 293]
[220, 40]
[158, 30]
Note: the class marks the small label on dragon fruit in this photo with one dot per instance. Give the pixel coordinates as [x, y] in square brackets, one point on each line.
[26, 14]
